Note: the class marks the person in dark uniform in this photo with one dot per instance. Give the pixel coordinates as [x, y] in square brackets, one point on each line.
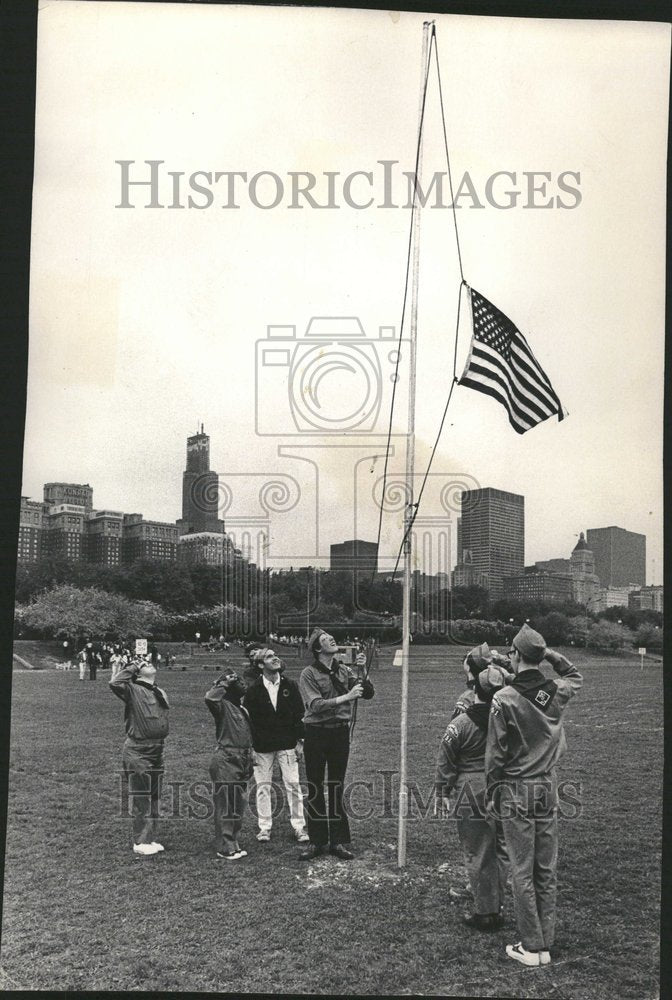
[231, 763]
[461, 768]
[328, 688]
[146, 721]
[526, 739]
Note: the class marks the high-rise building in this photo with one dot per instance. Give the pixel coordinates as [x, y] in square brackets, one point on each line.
[536, 585]
[79, 494]
[31, 528]
[585, 582]
[620, 556]
[492, 536]
[151, 541]
[102, 543]
[200, 490]
[354, 555]
[208, 548]
[646, 599]
[65, 531]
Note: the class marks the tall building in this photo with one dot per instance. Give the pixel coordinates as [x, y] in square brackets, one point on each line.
[492, 536]
[354, 555]
[585, 582]
[102, 539]
[65, 525]
[148, 541]
[31, 528]
[537, 585]
[646, 599]
[620, 556]
[65, 531]
[200, 490]
[79, 494]
[208, 548]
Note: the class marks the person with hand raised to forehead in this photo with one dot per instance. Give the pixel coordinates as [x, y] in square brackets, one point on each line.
[146, 721]
[231, 763]
[526, 740]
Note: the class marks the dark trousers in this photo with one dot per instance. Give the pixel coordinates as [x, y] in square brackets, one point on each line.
[230, 770]
[326, 749]
[93, 669]
[143, 768]
[482, 840]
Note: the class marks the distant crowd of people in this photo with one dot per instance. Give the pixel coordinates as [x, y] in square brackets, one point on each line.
[95, 655]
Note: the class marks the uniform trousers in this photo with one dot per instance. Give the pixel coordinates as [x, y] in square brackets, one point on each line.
[326, 749]
[530, 822]
[143, 769]
[230, 770]
[482, 841]
[263, 776]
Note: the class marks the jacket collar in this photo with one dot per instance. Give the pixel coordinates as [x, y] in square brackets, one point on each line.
[528, 680]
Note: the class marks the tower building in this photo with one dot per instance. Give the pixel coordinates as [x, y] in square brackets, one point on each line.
[200, 490]
[492, 537]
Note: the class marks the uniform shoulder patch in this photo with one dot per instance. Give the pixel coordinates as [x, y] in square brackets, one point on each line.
[451, 733]
[542, 697]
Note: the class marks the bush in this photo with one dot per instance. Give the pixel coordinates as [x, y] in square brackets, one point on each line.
[608, 637]
[650, 637]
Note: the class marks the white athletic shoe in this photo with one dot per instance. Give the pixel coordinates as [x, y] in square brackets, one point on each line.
[241, 853]
[519, 954]
[544, 958]
[146, 849]
[233, 856]
[302, 837]
[263, 836]
[158, 846]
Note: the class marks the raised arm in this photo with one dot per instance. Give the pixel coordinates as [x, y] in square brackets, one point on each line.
[570, 680]
[120, 684]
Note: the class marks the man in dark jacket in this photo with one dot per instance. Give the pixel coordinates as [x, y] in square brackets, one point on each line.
[231, 763]
[275, 708]
[146, 720]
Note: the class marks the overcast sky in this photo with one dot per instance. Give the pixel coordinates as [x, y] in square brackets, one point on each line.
[145, 321]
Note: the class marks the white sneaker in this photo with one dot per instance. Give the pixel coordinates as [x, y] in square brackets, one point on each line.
[241, 853]
[233, 856]
[302, 837]
[263, 836]
[158, 846]
[544, 958]
[146, 848]
[519, 954]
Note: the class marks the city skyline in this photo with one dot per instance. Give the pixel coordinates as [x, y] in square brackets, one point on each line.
[143, 321]
[200, 468]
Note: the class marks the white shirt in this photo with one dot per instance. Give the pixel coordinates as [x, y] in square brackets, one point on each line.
[272, 687]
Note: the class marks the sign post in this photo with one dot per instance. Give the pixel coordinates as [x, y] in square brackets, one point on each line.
[642, 653]
[140, 647]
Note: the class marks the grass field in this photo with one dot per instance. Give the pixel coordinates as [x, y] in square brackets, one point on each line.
[82, 912]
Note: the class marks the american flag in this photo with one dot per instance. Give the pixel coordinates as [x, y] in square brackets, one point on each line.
[502, 365]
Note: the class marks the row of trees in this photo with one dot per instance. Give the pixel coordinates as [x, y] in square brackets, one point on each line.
[68, 611]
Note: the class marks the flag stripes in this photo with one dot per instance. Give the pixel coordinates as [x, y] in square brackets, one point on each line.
[502, 366]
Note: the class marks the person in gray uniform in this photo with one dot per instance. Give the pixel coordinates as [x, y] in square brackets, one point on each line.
[526, 739]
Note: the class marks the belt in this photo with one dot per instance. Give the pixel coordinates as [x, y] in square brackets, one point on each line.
[327, 725]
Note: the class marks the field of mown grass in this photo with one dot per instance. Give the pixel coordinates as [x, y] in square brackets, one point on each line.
[82, 912]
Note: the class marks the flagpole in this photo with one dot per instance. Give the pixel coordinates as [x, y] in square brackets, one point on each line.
[410, 464]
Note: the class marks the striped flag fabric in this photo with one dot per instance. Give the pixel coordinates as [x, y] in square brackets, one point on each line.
[501, 365]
